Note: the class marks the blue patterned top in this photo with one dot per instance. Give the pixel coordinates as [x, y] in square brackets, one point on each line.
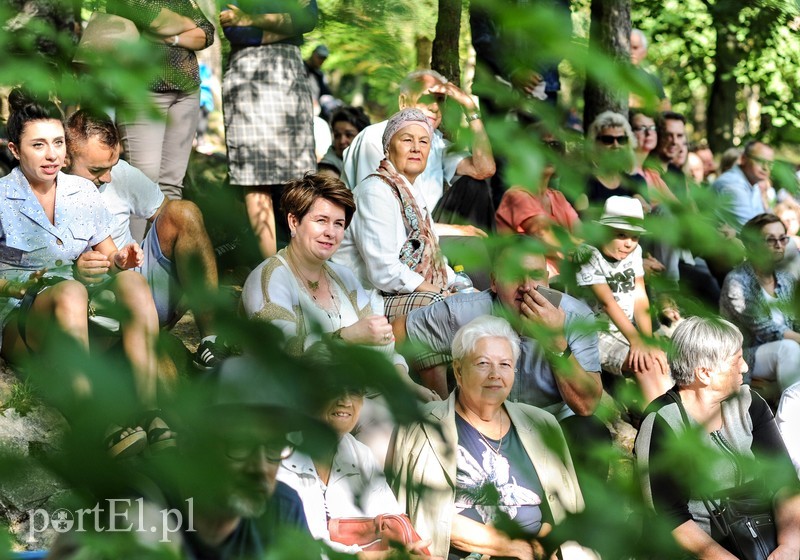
[29, 242]
[744, 304]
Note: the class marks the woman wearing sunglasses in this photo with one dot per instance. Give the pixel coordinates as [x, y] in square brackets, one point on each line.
[757, 298]
[646, 139]
[610, 144]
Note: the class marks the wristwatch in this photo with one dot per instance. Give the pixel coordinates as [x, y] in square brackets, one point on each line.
[174, 41]
[473, 116]
[565, 354]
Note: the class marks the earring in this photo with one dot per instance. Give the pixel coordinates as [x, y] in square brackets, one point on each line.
[293, 234]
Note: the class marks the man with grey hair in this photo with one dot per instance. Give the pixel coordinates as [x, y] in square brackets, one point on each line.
[739, 188]
[656, 88]
[468, 196]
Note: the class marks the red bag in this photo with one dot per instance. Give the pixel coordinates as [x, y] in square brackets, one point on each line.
[374, 533]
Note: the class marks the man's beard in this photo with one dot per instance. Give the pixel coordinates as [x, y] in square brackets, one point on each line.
[243, 505]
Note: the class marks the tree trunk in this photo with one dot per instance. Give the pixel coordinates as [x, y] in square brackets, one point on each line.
[445, 59]
[722, 98]
[610, 34]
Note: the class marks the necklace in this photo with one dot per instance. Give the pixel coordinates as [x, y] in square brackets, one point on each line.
[335, 314]
[484, 438]
[312, 285]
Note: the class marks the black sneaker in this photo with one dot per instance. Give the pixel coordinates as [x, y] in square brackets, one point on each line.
[210, 354]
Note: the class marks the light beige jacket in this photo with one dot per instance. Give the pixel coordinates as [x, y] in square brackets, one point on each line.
[422, 469]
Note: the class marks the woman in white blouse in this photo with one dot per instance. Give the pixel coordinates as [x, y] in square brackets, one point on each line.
[304, 294]
[392, 245]
[345, 481]
[310, 298]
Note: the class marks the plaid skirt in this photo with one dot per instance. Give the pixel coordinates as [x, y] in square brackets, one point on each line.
[269, 122]
[403, 304]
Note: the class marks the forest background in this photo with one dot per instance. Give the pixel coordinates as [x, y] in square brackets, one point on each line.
[731, 66]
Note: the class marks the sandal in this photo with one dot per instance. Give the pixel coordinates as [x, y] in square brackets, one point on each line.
[156, 428]
[122, 446]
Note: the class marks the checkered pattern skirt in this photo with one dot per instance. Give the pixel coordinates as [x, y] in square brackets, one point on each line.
[403, 304]
[269, 123]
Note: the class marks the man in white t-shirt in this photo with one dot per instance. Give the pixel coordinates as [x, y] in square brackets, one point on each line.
[177, 243]
[614, 273]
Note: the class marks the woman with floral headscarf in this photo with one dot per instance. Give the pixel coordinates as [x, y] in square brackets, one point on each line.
[391, 244]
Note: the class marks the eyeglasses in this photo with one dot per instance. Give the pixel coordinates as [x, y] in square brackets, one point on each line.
[765, 163]
[645, 129]
[776, 241]
[242, 450]
[608, 139]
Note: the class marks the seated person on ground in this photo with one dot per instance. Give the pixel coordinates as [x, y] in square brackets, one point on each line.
[614, 274]
[47, 219]
[468, 199]
[539, 210]
[645, 132]
[740, 197]
[609, 144]
[391, 244]
[706, 439]
[177, 245]
[758, 297]
[346, 123]
[559, 365]
[308, 297]
[491, 460]
[223, 479]
[345, 480]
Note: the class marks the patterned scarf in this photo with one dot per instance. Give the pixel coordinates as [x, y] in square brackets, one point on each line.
[420, 252]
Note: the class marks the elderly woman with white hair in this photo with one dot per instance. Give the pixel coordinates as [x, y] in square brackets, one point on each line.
[391, 244]
[477, 459]
[736, 433]
[610, 144]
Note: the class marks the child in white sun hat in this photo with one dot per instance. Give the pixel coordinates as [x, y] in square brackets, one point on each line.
[614, 273]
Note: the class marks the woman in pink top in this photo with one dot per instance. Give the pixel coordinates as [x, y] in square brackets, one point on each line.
[535, 211]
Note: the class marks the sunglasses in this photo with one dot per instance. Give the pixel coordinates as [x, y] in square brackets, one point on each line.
[645, 129]
[609, 139]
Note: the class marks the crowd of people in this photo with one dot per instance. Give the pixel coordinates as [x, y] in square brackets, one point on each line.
[617, 287]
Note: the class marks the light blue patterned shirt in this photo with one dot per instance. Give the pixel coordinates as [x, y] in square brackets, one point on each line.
[29, 242]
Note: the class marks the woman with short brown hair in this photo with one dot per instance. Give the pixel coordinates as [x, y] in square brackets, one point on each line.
[304, 294]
